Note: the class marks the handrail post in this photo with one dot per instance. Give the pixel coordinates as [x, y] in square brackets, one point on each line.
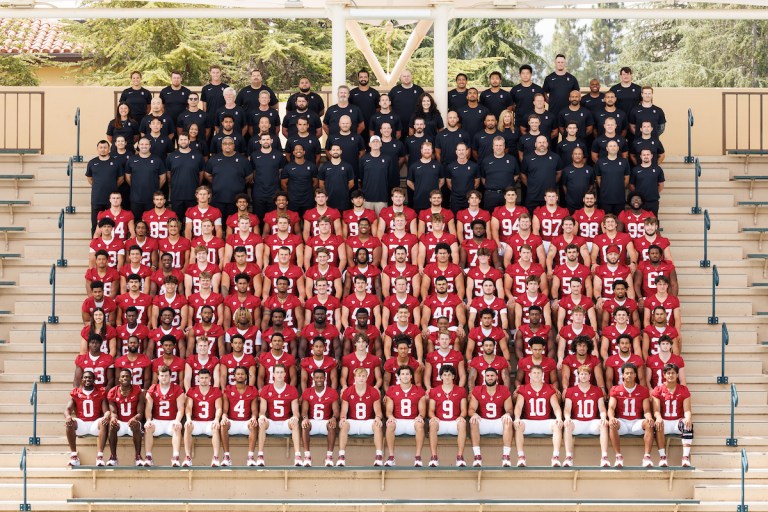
[723, 378]
[697, 174]
[744, 469]
[61, 262]
[23, 467]
[713, 320]
[35, 439]
[70, 173]
[689, 159]
[78, 157]
[44, 378]
[53, 319]
[732, 441]
[707, 224]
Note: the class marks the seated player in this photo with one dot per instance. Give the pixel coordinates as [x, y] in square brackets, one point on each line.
[109, 242]
[663, 298]
[282, 236]
[435, 206]
[279, 413]
[214, 245]
[610, 334]
[273, 356]
[239, 267]
[516, 275]
[283, 300]
[649, 270]
[619, 298]
[469, 256]
[488, 358]
[193, 271]
[134, 266]
[176, 302]
[360, 415]
[652, 334]
[166, 270]
[318, 360]
[323, 269]
[548, 219]
[238, 357]
[271, 219]
[402, 326]
[126, 408]
[651, 237]
[607, 274]
[629, 413]
[443, 304]
[278, 325]
[465, 218]
[569, 332]
[242, 299]
[360, 265]
[118, 344]
[488, 299]
[558, 250]
[406, 407]
[244, 237]
[400, 297]
[361, 358]
[323, 297]
[240, 404]
[139, 364]
[481, 272]
[361, 325]
[585, 414]
[477, 336]
[205, 327]
[325, 237]
[103, 273]
[320, 414]
[141, 301]
[87, 414]
[654, 365]
[403, 357]
[322, 328]
[177, 246]
[203, 412]
[531, 297]
[570, 301]
[672, 412]
[534, 327]
[429, 240]
[387, 215]
[169, 358]
[283, 268]
[195, 215]
[447, 415]
[535, 404]
[399, 236]
[490, 412]
[165, 403]
[365, 239]
[122, 219]
[205, 296]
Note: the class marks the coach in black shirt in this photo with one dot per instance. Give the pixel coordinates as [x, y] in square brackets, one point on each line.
[266, 163]
[227, 172]
[185, 167]
[612, 174]
[137, 97]
[462, 175]
[498, 171]
[337, 177]
[145, 174]
[424, 176]
[404, 97]
[578, 177]
[540, 171]
[104, 175]
[299, 178]
[175, 96]
[473, 114]
[374, 175]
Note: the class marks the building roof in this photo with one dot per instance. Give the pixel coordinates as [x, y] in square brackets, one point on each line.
[41, 36]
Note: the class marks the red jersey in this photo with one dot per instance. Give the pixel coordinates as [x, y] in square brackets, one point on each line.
[292, 272]
[193, 270]
[334, 244]
[611, 304]
[143, 272]
[672, 407]
[509, 220]
[127, 405]
[233, 219]
[516, 241]
[371, 331]
[525, 364]
[443, 307]
[252, 337]
[392, 242]
[197, 301]
[560, 243]
[426, 214]
[320, 404]
[433, 342]
[204, 404]
[528, 333]
[142, 303]
[328, 333]
[158, 277]
[177, 249]
[669, 304]
[158, 222]
[212, 333]
[332, 304]
[351, 362]
[274, 242]
[465, 218]
[622, 240]
[537, 403]
[478, 334]
[480, 365]
[448, 403]
[572, 362]
[176, 366]
[351, 218]
[589, 225]
[642, 245]
[491, 406]
[430, 241]
[332, 273]
[148, 247]
[616, 362]
[584, 404]
[196, 364]
[550, 222]
[567, 303]
[634, 225]
[392, 303]
[526, 302]
[497, 305]
[360, 406]
[123, 332]
[656, 365]
[520, 274]
[136, 367]
[569, 333]
[122, 219]
[353, 303]
[249, 302]
[654, 333]
[437, 360]
[164, 405]
[566, 273]
[268, 360]
[98, 366]
[408, 271]
[114, 248]
[609, 275]
[230, 362]
[240, 402]
[250, 242]
[432, 271]
[111, 279]
[478, 276]
[289, 338]
[369, 272]
[176, 302]
[196, 216]
[156, 335]
[411, 330]
[629, 404]
[406, 403]
[354, 242]
[387, 214]
[309, 364]
[312, 216]
[290, 304]
[279, 401]
[213, 245]
[392, 366]
[650, 273]
[88, 403]
[270, 219]
[107, 305]
[612, 332]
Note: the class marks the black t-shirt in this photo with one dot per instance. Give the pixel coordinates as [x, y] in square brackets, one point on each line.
[404, 100]
[300, 183]
[654, 114]
[462, 178]
[254, 145]
[457, 99]
[496, 102]
[611, 174]
[291, 119]
[366, 101]
[336, 178]
[565, 149]
[310, 143]
[137, 101]
[627, 98]
[236, 136]
[542, 175]
[394, 149]
[522, 99]
[527, 143]
[145, 177]
[433, 121]
[239, 117]
[248, 97]
[548, 122]
[351, 146]
[593, 104]
[622, 122]
[646, 181]
[160, 146]
[315, 102]
[271, 114]
[499, 173]
[188, 118]
[577, 181]
[510, 140]
[229, 173]
[472, 119]
[378, 119]
[213, 97]
[201, 146]
[582, 117]
[175, 101]
[559, 87]
[653, 144]
[413, 146]
[483, 143]
[425, 178]
[128, 129]
[601, 143]
[266, 173]
[374, 173]
[168, 128]
[185, 174]
[447, 141]
[335, 112]
[104, 174]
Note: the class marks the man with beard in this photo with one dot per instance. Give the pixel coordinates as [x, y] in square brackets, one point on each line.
[227, 172]
[315, 102]
[266, 164]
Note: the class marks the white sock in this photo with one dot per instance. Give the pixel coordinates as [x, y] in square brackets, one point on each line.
[297, 454]
[342, 453]
[556, 453]
[521, 454]
[662, 452]
[569, 454]
[379, 452]
[250, 454]
[307, 455]
[506, 450]
[329, 454]
[686, 450]
[476, 450]
[100, 454]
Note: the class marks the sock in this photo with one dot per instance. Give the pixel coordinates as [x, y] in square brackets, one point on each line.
[100, 454]
[686, 450]
[226, 454]
[297, 454]
[662, 452]
[476, 450]
[604, 454]
[569, 454]
[521, 454]
[555, 453]
[506, 450]
[342, 453]
[379, 452]
[74, 454]
[148, 454]
[175, 454]
[250, 454]
[329, 453]
[261, 454]
[307, 455]
[646, 455]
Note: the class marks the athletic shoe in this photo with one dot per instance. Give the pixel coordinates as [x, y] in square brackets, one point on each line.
[478, 462]
[148, 461]
[521, 461]
[460, 462]
[328, 462]
[433, 462]
[250, 461]
[342, 461]
[112, 461]
[100, 460]
[390, 461]
[307, 462]
[139, 462]
[568, 462]
[260, 461]
[686, 463]
[663, 462]
[556, 461]
[647, 461]
[506, 461]
[619, 463]
[417, 462]
[74, 461]
[378, 461]
[604, 462]
[187, 462]
[227, 461]
[297, 461]
[175, 463]
[215, 462]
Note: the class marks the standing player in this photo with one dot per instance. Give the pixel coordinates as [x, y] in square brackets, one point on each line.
[126, 407]
[320, 414]
[203, 412]
[629, 412]
[537, 401]
[447, 415]
[279, 414]
[585, 414]
[360, 415]
[87, 413]
[672, 412]
[240, 404]
[165, 403]
[490, 412]
[406, 408]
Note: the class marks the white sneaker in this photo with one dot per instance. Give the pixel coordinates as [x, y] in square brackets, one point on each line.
[647, 461]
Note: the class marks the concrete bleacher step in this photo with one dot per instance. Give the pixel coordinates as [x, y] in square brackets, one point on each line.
[731, 492]
[35, 492]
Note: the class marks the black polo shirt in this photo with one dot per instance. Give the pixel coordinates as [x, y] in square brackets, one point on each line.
[291, 120]
[462, 178]
[185, 174]
[404, 100]
[335, 112]
[559, 87]
[375, 174]
[300, 183]
[187, 118]
[622, 120]
[168, 125]
[483, 143]
[496, 102]
[175, 101]
[351, 146]
[366, 101]
[213, 97]
[646, 181]
[336, 178]
[447, 141]
[128, 129]
[315, 102]
[145, 177]
[472, 119]
[582, 117]
[266, 173]
[593, 104]
[611, 174]
[378, 119]
[229, 173]
[499, 173]
[248, 97]
[627, 98]
[542, 175]
[310, 143]
[413, 146]
[425, 178]
[601, 143]
[238, 116]
[457, 99]
[236, 137]
[576, 180]
[653, 144]
[565, 149]
[137, 101]
[104, 175]
[522, 99]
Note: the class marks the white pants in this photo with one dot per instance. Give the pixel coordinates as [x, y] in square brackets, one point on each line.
[538, 427]
[318, 427]
[632, 427]
[360, 427]
[405, 427]
[203, 428]
[162, 428]
[487, 427]
[87, 428]
[279, 428]
[589, 427]
[447, 428]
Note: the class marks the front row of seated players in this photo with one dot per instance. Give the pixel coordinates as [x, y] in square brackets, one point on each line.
[534, 408]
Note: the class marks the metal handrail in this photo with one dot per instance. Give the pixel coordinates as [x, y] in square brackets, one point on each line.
[53, 319]
[61, 262]
[23, 467]
[723, 378]
[78, 157]
[689, 158]
[732, 441]
[44, 378]
[707, 225]
[697, 174]
[713, 320]
[744, 470]
[70, 173]
[34, 439]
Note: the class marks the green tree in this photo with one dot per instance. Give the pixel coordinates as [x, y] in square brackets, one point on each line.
[567, 39]
[18, 70]
[602, 47]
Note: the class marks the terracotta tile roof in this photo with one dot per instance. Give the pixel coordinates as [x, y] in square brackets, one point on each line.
[35, 36]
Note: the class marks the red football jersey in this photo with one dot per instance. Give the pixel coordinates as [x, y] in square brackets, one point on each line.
[233, 219]
[164, 405]
[669, 304]
[354, 242]
[290, 304]
[158, 278]
[351, 363]
[491, 406]
[478, 276]
[569, 333]
[430, 241]
[333, 243]
[250, 242]
[411, 330]
[196, 216]
[537, 403]
[196, 364]
[142, 271]
[516, 241]
[371, 331]
[176, 302]
[249, 302]
[212, 333]
[268, 361]
[111, 279]
[478, 334]
[584, 404]
[176, 249]
[497, 305]
[622, 240]
[158, 222]
[447, 403]
[176, 367]
[611, 304]
[572, 362]
[193, 270]
[526, 302]
[392, 303]
[432, 271]
[642, 245]
[566, 273]
[528, 333]
[567, 303]
[289, 338]
[589, 225]
[98, 366]
[309, 364]
[437, 360]
[320, 404]
[353, 303]
[509, 220]
[332, 304]
[408, 271]
[612, 333]
[156, 335]
[312, 216]
[88, 404]
[520, 274]
[369, 272]
[204, 404]
[550, 221]
[406, 403]
[274, 242]
[332, 273]
[328, 333]
[213, 245]
[392, 242]
[525, 364]
[650, 273]
[123, 332]
[656, 365]
[471, 246]
[270, 219]
[465, 217]
[142, 303]
[149, 247]
[127, 406]
[426, 214]
[240, 402]
[387, 214]
[654, 333]
[560, 243]
[443, 307]
[107, 305]
[197, 301]
[629, 404]
[114, 248]
[361, 406]
[616, 362]
[634, 225]
[671, 402]
[609, 275]
[351, 218]
[252, 337]
[480, 365]
[279, 401]
[230, 362]
[122, 219]
[292, 272]
[391, 366]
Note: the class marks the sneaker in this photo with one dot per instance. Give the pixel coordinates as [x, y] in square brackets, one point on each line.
[478, 462]
[328, 462]
[604, 462]
[506, 461]
[417, 462]
[297, 461]
[379, 460]
[307, 462]
[647, 461]
[260, 461]
[74, 461]
[250, 461]
[568, 462]
[148, 462]
[227, 461]
[215, 462]
[619, 463]
[663, 462]
[112, 461]
[139, 462]
[556, 461]
[686, 463]
[342, 461]
[521, 461]
[460, 462]
[433, 462]
[175, 463]
[390, 461]
[100, 460]
[187, 462]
